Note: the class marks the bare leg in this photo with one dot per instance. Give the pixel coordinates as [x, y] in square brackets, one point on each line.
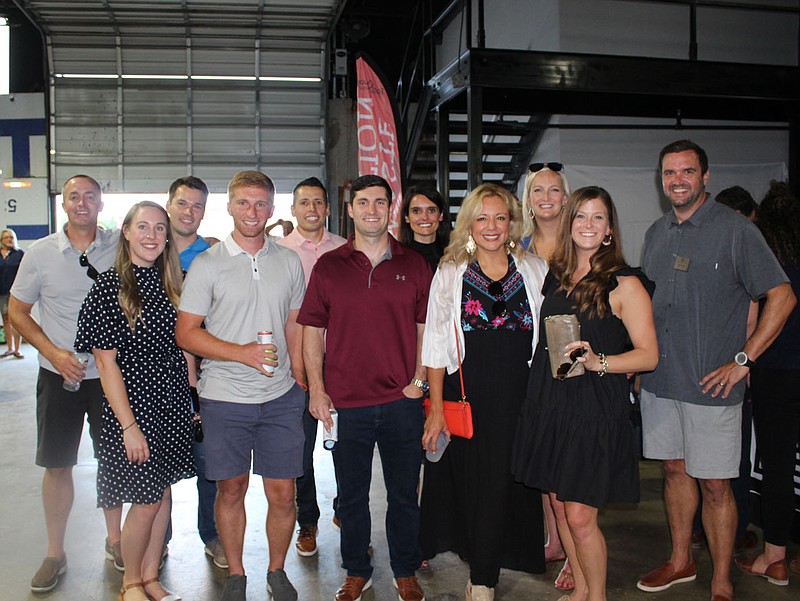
[553, 550]
[719, 523]
[771, 554]
[590, 547]
[581, 591]
[152, 555]
[681, 498]
[9, 333]
[113, 517]
[57, 495]
[280, 519]
[136, 539]
[231, 520]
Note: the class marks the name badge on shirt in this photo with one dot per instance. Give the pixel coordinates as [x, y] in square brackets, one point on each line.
[682, 263]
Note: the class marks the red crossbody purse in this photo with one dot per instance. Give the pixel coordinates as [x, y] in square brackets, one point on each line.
[457, 414]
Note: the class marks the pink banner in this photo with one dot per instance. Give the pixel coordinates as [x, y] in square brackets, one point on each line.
[378, 151]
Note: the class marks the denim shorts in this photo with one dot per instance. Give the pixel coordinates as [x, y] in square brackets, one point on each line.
[707, 438]
[267, 436]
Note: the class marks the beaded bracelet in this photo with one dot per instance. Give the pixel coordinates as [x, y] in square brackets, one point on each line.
[603, 365]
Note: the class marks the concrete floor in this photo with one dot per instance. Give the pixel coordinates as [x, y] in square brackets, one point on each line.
[637, 535]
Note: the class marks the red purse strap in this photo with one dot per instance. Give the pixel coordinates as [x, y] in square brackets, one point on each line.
[460, 374]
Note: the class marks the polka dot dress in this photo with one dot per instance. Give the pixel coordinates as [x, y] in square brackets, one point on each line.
[155, 374]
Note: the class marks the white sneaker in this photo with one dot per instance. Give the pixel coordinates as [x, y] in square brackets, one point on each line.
[478, 592]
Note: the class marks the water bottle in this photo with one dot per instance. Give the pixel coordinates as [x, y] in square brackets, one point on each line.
[331, 437]
[83, 358]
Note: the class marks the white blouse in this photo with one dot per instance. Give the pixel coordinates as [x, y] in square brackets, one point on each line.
[444, 308]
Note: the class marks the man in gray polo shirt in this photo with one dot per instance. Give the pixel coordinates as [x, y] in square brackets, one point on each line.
[708, 263]
[57, 273]
[250, 401]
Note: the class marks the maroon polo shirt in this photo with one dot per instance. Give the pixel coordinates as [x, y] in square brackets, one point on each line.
[371, 316]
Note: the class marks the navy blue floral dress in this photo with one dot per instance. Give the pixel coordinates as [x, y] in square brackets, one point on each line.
[155, 374]
[470, 502]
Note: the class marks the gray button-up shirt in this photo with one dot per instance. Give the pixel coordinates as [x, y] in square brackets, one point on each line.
[706, 269]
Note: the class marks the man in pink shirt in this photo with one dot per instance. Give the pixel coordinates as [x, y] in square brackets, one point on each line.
[310, 239]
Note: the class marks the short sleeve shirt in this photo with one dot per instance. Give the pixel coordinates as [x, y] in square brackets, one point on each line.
[189, 253]
[240, 295]
[308, 250]
[706, 270]
[370, 314]
[51, 275]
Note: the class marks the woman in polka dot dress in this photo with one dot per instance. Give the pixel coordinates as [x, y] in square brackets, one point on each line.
[128, 322]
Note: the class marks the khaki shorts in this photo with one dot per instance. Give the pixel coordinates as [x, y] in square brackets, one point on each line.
[707, 438]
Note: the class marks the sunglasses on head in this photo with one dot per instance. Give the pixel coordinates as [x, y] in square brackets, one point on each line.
[91, 271]
[536, 167]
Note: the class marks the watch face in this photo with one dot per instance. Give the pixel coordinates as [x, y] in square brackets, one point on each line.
[741, 358]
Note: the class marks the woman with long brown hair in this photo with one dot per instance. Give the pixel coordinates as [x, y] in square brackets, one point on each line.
[128, 322]
[574, 438]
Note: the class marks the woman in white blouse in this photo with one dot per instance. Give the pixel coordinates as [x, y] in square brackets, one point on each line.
[485, 297]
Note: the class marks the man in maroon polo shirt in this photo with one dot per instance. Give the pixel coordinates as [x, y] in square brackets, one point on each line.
[370, 297]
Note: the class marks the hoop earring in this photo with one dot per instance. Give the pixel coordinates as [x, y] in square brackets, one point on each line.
[470, 246]
[606, 241]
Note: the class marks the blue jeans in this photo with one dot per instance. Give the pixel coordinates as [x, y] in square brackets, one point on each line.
[206, 495]
[307, 508]
[396, 427]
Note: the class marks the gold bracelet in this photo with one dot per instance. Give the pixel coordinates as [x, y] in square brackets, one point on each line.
[603, 365]
[133, 423]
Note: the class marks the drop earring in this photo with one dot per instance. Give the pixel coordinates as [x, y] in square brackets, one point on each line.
[470, 246]
[510, 246]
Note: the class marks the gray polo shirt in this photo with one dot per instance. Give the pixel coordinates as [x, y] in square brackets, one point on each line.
[51, 275]
[240, 295]
[706, 269]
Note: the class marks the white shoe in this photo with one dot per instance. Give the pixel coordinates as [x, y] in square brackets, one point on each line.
[478, 592]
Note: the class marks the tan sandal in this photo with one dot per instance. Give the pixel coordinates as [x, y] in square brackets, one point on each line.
[170, 596]
[565, 580]
[126, 587]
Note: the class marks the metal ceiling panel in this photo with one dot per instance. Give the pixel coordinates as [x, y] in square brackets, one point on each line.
[139, 132]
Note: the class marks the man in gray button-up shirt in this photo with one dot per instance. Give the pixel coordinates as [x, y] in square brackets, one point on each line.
[708, 263]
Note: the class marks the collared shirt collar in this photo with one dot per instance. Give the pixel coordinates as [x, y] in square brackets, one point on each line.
[234, 249]
[698, 217]
[394, 248]
[64, 243]
[297, 239]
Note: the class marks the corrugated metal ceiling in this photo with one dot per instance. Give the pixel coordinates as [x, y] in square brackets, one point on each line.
[139, 134]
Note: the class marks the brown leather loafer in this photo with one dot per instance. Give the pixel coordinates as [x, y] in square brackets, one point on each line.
[352, 588]
[665, 576]
[776, 573]
[408, 589]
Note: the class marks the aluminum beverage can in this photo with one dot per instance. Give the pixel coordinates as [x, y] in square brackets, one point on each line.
[265, 337]
[331, 437]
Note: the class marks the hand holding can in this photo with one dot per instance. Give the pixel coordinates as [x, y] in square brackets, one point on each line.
[265, 337]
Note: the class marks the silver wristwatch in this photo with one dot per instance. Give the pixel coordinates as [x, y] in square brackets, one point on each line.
[742, 359]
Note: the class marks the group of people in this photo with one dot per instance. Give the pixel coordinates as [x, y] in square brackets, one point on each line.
[314, 328]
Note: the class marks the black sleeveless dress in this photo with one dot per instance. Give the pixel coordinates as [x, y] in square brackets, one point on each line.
[575, 437]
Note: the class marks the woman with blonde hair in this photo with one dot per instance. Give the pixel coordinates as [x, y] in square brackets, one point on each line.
[483, 311]
[128, 322]
[546, 192]
[575, 438]
[10, 257]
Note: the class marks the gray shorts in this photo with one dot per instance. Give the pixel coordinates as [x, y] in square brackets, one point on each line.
[269, 436]
[707, 438]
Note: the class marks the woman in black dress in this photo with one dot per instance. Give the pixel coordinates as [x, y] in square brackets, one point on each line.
[128, 322]
[574, 438]
[775, 387]
[485, 297]
[426, 223]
